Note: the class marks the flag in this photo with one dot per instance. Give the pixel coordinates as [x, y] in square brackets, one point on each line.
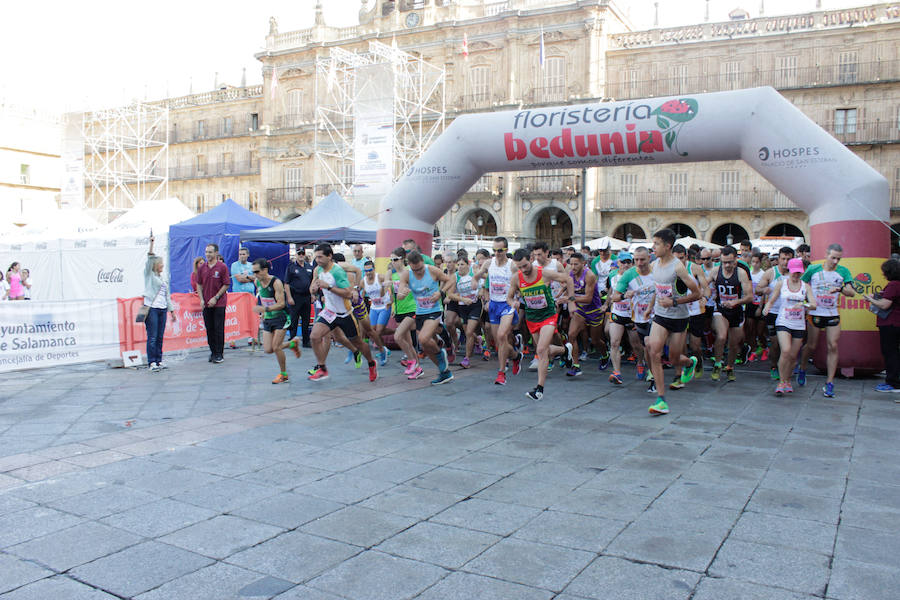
[465, 46]
[274, 85]
[541, 54]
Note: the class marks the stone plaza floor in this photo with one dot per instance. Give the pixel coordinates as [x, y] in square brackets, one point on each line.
[206, 482]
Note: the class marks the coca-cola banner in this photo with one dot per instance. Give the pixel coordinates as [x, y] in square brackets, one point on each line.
[39, 334]
[105, 268]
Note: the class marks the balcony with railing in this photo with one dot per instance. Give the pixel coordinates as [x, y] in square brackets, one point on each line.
[229, 94]
[540, 95]
[696, 200]
[299, 197]
[882, 131]
[193, 132]
[215, 169]
[549, 185]
[293, 121]
[784, 79]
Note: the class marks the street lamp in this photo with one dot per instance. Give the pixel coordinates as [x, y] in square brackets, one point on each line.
[628, 238]
[729, 239]
[480, 221]
[553, 219]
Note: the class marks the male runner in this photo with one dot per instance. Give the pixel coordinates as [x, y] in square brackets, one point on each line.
[588, 308]
[503, 317]
[426, 282]
[601, 266]
[621, 320]
[765, 288]
[636, 285]
[335, 317]
[675, 289]
[755, 326]
[276, 320]
[542, 258]
[533, 286]
[696, 321]
[828, 280]
[733, 291]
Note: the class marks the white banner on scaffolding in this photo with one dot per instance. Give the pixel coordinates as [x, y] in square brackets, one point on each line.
[373, 155]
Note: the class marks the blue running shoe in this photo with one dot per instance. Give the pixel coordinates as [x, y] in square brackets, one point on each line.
[801, 377]
[442, 363]
[828, 390]
[444, 377]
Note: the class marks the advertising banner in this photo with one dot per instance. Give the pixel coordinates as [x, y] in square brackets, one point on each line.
[39, 334]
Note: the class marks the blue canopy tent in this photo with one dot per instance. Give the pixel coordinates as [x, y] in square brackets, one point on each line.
[221, 225]
[331, 220]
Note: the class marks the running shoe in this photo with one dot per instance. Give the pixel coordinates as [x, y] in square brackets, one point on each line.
[373, 371]
[796, 369]
[358, 358]
[218, 360]
[828, 390]
[501, 378]
[640, 372]
[416, 372]
[604, 362]
[660, 408]
[312, 370]
[349, 357]
[575, 371]
[296, 347]
[451, 355]
[518, 343]
[567, 359]
[716, 372]
[764, 356]
[651, 389]
[517, 363]
[382, 358]
[549, 365]
[688, 373]
[154, 368]
[533, 365]
[616, 378]
[410, 368]
[535, 394]
[788, 388]
[729, 373]
[162, 366]
[886, 387]
[281, 378]
[698, 372]
[677, 384]
[444, 377]
[441, 361]
[631, 358]
[404, 362]
[320, 375]
[801, 377]
[464, 363]
[486, 355]
[752, 357]
[583, 355]
[773, 373]
[779, 390]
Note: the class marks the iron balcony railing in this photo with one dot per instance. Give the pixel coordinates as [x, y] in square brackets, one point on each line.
[787, 78]
[884, 131]
[215, 169]
[194, 132]
[694, 200]
[532, 185]
[292, 196]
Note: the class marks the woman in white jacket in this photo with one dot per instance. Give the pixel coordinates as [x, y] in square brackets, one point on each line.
[158, 300]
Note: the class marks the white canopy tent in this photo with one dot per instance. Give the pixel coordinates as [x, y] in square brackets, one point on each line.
[614, 244]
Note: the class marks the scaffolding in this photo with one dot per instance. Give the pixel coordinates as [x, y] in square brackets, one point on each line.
[417, 108]
[126, 157]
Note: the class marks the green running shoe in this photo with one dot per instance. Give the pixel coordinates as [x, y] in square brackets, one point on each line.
[688, 373]
[716, 372]
[660, 408]
[773, 373]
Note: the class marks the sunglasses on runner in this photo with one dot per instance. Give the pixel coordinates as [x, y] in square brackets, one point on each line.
[256, 271]
[395, 259]
[368, 270]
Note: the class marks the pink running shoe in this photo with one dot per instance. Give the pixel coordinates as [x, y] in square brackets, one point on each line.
[411, 368]
[464, 363]
[416, 373]
[764, 356]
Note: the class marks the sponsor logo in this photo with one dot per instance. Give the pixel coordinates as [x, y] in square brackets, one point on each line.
[116, 275]
[792, 157]
[433, 170]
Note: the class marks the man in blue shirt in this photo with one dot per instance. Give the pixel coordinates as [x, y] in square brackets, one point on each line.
[358, 259]
[242, 273]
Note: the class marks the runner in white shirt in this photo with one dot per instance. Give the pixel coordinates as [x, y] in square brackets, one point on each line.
[767, 285]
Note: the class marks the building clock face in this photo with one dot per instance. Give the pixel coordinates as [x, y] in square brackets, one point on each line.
[412, 19]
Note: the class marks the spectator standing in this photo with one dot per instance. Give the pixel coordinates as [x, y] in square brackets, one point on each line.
[26, 284]
[297, 278]
[197, 262]
[889, 326]
[358, 259]
[212, 286]
[4, 288]
[242, 273]
[159, 300]
[14, 278]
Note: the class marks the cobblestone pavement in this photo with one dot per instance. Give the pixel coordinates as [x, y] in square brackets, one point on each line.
[207, 482]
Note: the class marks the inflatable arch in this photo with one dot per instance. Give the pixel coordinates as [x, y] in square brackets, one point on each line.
[847, 200]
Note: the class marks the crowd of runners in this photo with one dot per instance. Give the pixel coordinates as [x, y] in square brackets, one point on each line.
[658, 308]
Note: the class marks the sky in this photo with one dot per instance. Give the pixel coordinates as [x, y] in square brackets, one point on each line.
[61, 56]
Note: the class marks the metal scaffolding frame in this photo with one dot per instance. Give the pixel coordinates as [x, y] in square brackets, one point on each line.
[127, 156]
[418, 108]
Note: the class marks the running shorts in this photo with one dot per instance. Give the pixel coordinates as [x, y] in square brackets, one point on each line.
[770, 324]
[625, 322]
[535, 328]
[823, 322]
[272, 325]
[435, 316]
[671, 325]
[379, 316]
[498, 310]
[346, 323]
[469, 311]
[360, 310]
[797, 334]
[592, 318]
[697, 324]
[643, 329]
[735, 318]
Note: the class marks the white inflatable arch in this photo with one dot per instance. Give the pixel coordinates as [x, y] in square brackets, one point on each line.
[847, 200]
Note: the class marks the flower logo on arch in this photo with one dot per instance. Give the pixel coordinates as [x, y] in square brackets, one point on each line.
[671, 117]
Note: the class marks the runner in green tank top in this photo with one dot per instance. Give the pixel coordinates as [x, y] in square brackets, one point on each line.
[531, 284]
[275, 318]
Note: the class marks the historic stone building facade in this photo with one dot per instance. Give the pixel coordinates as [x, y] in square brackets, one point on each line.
[841, 68]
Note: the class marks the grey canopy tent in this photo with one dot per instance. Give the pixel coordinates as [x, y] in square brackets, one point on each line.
[331, 220]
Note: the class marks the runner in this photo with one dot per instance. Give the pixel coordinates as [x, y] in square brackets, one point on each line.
[621, 320]
[404, 310]
[828, 281]
[500, 271]
[675, 289]
[601, 266]
[533, 285]
[424, 283]
[377, 315]
[767, 285]
[276, 320]
[795, 296]
[542, 258]
[733, 292]
[696, 320]
[755, 326]
[335, 317]
[588, 309]
[637, 286]
[468, 304]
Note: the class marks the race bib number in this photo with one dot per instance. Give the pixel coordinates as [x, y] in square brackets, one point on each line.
[328, 315]
[267, 302]
[622, 306]
[396, 285]
[826, 301]
[728, 298]
[793, 313]
[471, 295]
[377, 302]
[663, 290]
[536, 302]
[641, 308]
[499, 288]
[425, 303]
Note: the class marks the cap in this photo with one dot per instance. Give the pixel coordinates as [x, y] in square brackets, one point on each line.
[625, 256]
[795, 265]
[603, 244]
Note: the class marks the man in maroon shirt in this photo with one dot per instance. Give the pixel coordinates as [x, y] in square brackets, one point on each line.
[212, 284]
